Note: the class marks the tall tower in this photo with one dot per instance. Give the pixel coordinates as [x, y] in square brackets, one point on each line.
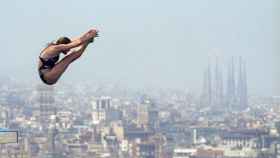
[242, 85]
[245, 86]
[218, 84]
[47, 105]
[231, 86]
[209, 85]
[207, 96]
[236, 94]
[48, 115]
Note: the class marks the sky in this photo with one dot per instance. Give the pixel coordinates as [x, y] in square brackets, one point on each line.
[147, 43]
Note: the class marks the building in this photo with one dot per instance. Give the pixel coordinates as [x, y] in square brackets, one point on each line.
[144, 150]
[235, 96]
[153, 117]
[47, 105]
[209, 153]
[142, 116]
[100, 106]
[183, 152]
[243, 139]
[118, 130]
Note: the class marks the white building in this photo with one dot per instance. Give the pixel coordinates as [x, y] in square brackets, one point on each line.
[183, 152]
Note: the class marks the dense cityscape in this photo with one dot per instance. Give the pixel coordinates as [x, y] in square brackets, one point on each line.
[88, 120]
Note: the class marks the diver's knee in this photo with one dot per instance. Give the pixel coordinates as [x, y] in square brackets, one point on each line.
[51, 81]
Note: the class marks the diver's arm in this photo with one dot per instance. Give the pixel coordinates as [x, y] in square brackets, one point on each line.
[81, 48]
[54, 50]
[77, 42]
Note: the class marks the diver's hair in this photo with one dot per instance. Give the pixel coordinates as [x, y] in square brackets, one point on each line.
[60, 40]
[63, 40]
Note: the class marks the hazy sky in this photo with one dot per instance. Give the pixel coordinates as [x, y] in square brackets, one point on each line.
[155, 43]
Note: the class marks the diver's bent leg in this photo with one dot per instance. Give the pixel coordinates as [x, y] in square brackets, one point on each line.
[55, 73]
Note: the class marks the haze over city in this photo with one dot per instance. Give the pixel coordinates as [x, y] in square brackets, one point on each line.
[164, 44]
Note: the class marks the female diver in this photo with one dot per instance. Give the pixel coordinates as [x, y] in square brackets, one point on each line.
[50, 68]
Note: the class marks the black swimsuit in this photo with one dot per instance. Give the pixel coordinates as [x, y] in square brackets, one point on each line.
[47, 64]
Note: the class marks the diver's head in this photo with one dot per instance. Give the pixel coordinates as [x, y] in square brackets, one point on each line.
[63, 40]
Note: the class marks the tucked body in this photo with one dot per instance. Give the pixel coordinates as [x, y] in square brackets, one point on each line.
[50, 67]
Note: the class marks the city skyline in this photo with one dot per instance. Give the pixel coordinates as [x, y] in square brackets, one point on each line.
[76, 122]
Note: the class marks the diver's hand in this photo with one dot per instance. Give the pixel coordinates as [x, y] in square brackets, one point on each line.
[88, 35]
[93, 32]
